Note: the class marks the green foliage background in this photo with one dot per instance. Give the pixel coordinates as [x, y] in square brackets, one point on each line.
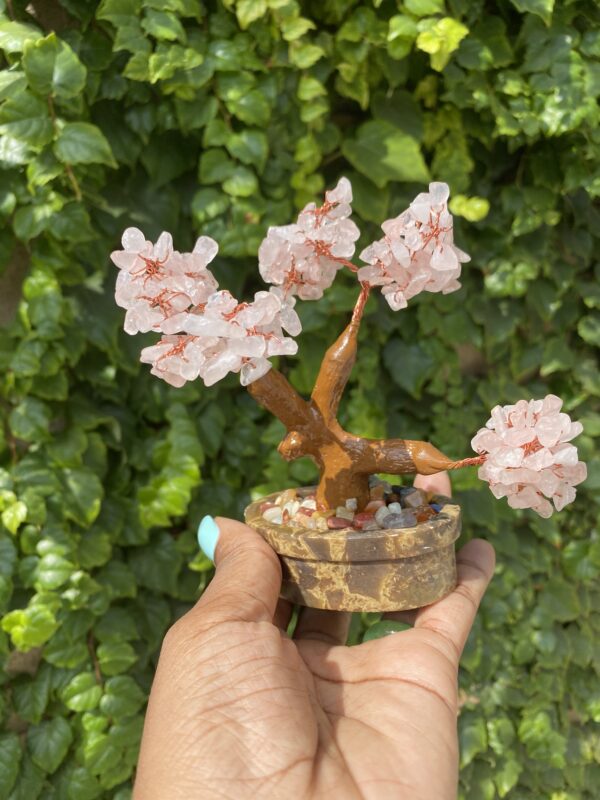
[222, 118]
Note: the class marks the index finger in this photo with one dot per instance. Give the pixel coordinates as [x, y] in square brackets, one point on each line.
[453, 617]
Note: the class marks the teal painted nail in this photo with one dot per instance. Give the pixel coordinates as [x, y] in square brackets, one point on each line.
[208, 536]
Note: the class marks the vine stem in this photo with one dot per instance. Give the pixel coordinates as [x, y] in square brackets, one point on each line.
[68, 168]
[92, 649]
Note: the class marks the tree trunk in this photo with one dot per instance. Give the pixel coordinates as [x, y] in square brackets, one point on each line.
[345, 461]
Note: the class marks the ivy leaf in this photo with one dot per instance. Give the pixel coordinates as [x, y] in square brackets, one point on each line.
[424, 8]
[14, 36]
[157, 565]
[83, 143]
[26, 117]
[383, 153]
[473, 738]
[49, 743]
[10, 756]
[122, 697]
[52, 68]
[560, 601]
[30, 627]
[116, 657]
[385, 628]
[441, 40]
[82, 693]
[542, 8]
[588, 328]
[83, 494]
[14, 516]
[248, 11]
[409, 365]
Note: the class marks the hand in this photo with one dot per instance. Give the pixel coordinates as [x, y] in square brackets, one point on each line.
[239, 710]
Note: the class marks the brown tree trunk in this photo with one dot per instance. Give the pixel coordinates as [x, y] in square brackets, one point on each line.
[345, 461]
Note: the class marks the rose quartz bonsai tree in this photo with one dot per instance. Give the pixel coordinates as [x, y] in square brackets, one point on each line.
[356, 543]
[524, 452]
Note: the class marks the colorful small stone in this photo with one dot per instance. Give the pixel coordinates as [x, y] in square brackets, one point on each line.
[405, 519]
[337, 523]
[360, 520]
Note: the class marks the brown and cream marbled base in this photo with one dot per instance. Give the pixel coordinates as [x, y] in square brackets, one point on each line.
[350, 570]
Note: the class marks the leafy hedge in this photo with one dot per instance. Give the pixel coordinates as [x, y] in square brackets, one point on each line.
[222, 118]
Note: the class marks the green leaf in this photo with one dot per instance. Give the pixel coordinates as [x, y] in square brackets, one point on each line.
[473, 209]
[122, 697]
[26, 117]
[52, 68]
[381, 629]
[541, 740]
[82, 693]
[49, 743]
[31, 697]
[542, 8]
[241, 183]
[424, 8]
[30, 627]
[15, 35]
[157, 565]
[163, 25]
[83, 143]
[52, 571]
[116, 657]
[304, 54]
[560, 601]
[30, 419]
[249, 146]
[215, 166]
[10, 756]
[588, 328]
[409, 365]
[248, 11]
[383, 153]
[441, 40]
[13, 516]
[472, 737]
[83, 495]
[251, 107]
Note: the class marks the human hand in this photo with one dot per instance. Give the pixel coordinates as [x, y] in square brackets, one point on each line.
[240, 710]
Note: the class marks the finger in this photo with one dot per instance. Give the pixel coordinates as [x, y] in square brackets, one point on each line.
[283, 614]
[439, 483]
[453, 617]
[247, 577]
[323, 626]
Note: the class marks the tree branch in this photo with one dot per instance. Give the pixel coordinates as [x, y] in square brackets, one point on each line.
[337, 364]
[274, 392]
[399, 456]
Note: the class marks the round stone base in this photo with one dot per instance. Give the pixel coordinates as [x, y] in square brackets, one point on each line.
[352, 570]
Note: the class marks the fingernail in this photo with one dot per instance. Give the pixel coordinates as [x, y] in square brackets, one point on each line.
[208, 536]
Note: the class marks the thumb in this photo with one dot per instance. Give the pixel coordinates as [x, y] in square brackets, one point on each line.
[247, 577]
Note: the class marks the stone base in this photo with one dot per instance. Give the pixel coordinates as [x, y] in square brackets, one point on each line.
[350, 570]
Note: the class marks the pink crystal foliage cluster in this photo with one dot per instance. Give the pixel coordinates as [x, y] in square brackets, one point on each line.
[528, 457]
[206, 333]
[417, 252]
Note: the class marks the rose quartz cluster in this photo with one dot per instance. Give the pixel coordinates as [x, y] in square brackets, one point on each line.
[417, 252]
[304, 258]
[528, 457]
[208, 333]
[156, 282]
